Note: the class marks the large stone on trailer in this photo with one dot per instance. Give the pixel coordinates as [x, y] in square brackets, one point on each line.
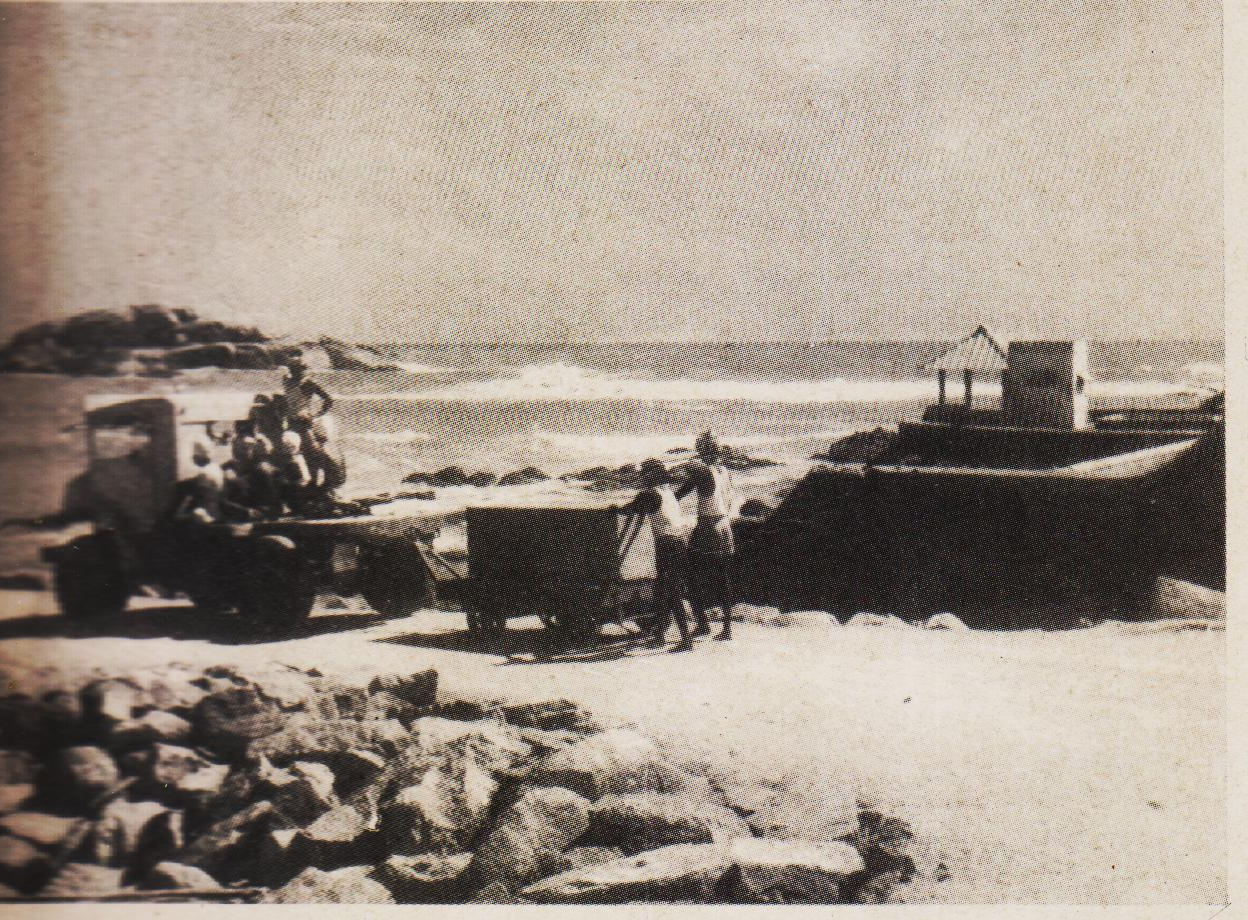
[352, 885]
[648, 820]
[791, 871]
[683, 872]
[619, 761]
[302, 792]
[541, 824]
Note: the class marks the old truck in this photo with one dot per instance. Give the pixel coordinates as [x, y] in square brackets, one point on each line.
[270, 571]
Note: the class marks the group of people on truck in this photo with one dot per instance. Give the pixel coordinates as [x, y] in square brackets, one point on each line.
[283, 458]
[693, 562]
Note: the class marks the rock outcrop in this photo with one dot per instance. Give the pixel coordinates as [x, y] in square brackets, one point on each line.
[147, 340]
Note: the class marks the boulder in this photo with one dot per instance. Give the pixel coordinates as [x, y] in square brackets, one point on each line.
[647, 820]
[492, 744]
[17, 767]
[823, 811]
[496, 893]
[332, 840]
[550, 715]
[791, 871]
[43, 830]
[762, 616]
[618, 760]
[160, 839]
[109, 701]
[580, 858]
[419, 688]
[156, 725]
[78, 775]
[115, 835]
[179, 776]
[13, 796]
[343, 744]
[683, 872]
[521, 477]
[229, 720]
[22, 864]
[223, 840]
[811, 619]
[8, 894]
[61, 719]
[82, 880]
[945, 621]
[426, 879]
[352, 885]
[302, 792]
[444, 811]
[172, 875]
[541, 824]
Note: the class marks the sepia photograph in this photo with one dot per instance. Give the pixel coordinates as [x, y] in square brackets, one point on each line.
[616, 453]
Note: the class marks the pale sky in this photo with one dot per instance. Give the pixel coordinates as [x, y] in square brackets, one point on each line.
[890, 169]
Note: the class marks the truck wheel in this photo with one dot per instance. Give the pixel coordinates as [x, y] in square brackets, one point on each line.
[277, 589]
[394, 579]
[88, 579]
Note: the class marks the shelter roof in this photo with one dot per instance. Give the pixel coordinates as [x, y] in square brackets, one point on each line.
[979, 351]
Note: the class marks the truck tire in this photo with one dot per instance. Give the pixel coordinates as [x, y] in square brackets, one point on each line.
[394, 579]
[88, 578]
[277, 590]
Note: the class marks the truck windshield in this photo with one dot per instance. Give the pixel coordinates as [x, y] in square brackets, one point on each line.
[115, 442]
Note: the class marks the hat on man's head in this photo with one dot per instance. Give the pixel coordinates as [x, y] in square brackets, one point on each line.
[296, 360]
[707, 446]
[654, 473]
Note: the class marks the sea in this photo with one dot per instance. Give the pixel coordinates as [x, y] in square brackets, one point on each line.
[564, 408]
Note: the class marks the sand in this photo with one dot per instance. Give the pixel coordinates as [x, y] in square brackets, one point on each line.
[1070, 767]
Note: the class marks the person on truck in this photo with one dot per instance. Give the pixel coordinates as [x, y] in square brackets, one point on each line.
[294, 477]
[198, 498]
[711, 545]
[305, 398]
[657, 502]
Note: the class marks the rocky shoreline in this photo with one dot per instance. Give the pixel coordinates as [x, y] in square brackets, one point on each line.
[146, 340]
[286, 786]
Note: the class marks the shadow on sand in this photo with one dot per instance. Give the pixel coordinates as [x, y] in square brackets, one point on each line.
[181, 622]
[530, 646]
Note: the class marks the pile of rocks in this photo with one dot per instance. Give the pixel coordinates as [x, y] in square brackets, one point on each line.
[147, 339]
[290, 787]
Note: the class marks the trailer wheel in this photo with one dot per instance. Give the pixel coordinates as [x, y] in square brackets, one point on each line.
[395, 580]
[277, 589]
[88, 578]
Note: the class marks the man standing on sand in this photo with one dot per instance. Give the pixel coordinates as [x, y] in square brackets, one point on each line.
[711, 546]
[661, 509]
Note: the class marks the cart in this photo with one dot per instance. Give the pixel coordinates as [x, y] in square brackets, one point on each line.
[574, 568]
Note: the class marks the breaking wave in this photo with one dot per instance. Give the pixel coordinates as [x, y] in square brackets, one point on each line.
[562, 382]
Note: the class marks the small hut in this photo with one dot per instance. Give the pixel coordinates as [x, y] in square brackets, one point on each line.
[978, 353]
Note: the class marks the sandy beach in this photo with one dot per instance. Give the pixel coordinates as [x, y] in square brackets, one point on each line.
[1078, 767]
